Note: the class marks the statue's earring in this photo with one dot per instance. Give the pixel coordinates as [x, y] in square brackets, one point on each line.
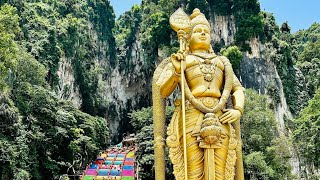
[187, 48]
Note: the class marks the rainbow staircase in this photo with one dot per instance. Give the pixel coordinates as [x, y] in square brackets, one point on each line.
[115, 163]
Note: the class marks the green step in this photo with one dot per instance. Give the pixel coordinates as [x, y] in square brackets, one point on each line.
[88, 178]
[127, 178]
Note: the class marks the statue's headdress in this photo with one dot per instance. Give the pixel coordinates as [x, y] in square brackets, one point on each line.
[198, 18]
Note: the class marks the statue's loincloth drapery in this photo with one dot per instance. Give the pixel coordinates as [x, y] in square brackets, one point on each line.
[195, 154]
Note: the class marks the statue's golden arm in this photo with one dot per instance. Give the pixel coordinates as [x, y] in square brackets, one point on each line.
[237, 95]
[234, 114]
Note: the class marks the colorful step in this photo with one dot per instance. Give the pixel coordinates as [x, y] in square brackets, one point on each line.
[104, 155]
[130, 154]
[127, 178]
[127, 167]
[114, 177]
[121, 155]
[94, 166]
[118, 162]
[86, 177]
[127, 173]
[129, 163]
[120, 159]
[102, 178]
[112, 165]
[103, 172]
[91, 172]
[115, 172]
[110, 158]
[105, 167]
[129, 159]
[108, 162]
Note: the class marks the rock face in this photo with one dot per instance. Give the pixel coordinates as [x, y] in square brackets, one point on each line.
[68, 88]
[126, 91]
[222, 29]
[257, 72]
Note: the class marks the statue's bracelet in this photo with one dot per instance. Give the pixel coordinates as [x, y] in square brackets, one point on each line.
[177, 74]
[239, 109]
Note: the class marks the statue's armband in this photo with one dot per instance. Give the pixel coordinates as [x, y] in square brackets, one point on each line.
[236, 85]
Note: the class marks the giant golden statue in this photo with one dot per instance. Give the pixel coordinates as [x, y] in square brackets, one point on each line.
[204, 135]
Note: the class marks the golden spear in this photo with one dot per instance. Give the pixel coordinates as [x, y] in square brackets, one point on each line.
[180, 22]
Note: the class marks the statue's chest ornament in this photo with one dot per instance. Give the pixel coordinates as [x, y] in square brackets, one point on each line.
[208, 68]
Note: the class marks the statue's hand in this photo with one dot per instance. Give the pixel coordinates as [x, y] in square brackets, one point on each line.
[176, 61]
[230, 116]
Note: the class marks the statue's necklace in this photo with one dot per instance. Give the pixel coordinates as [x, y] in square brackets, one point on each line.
[208, 68]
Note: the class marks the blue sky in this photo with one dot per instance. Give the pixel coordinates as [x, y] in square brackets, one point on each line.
[121, 6]
[300, 14]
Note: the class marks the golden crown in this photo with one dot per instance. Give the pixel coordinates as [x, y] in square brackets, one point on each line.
[198, 18]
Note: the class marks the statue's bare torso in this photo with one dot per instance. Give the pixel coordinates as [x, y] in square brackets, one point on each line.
[204, 84]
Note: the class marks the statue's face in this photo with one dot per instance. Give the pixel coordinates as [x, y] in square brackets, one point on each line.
[200, 38]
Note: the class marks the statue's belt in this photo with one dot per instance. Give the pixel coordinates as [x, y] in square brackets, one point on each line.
[209, 102]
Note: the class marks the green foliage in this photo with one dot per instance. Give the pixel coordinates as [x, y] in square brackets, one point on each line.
[274, 92]
[266, 156]
[221, 7]
[234, 55]
[311, 51]
[29, 70]
[299, 49]
[270, 27]
[43, 136]
[258, 123]
[285, 28]
[125, 32]
[9, 28]
[306, 134]
[296, 59]
[40, 36]
[80, 33]
[249, 22]
[200, 4]
[311, 72]
[303, 37]
[155, 31]
[13, 142]
[257, 166]
[146, 26]
[59, 135]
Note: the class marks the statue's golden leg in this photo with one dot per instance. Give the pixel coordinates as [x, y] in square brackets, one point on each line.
[195, 156]
[220, 156]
